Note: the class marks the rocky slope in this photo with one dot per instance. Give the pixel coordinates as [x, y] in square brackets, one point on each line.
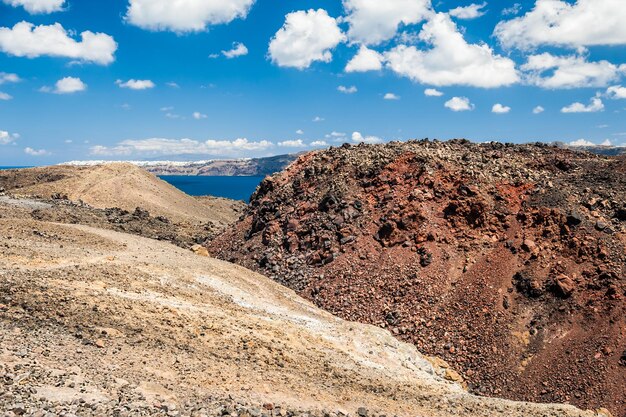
[507, 261]
[95, 322]
[122, 197]
[119, 185]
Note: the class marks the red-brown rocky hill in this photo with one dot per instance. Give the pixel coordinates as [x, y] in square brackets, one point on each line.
[508, 261]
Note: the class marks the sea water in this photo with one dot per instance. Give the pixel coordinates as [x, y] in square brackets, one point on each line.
[235, 188]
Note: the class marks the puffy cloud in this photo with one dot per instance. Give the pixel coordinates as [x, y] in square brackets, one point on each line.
[6, 78]
[199, 116]
[28, 40]
[432, 92]
[616, 92]
[374, 21]
[299, 132]
[500, 109]
[319, 144]
[297, 143]
[69, 85]
[459, 104]
[347, 90]
[238, 49]
[557, 22]
[513, 10]
[5, 96]
[6, 137]
[572, 71]
[36, 152]
[391, 96]
[358, 138]
[472, 11]
[337, 136]
[135, 84]
[594, 106]
[365, 60]
[161, 146]
[581, 142]
[37, 6]
[451, 60]
[538, 110]
[318, 119]
[185, 15]
[306, 37]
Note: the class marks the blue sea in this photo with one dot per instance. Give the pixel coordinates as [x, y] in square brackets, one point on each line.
[236, 188]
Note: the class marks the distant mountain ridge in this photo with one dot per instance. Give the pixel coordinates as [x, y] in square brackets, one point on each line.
[596, 149]
[224, 167]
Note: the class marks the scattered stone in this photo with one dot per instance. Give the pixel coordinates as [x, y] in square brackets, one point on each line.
[200, 250]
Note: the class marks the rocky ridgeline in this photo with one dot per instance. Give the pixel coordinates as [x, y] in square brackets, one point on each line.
[505, 260]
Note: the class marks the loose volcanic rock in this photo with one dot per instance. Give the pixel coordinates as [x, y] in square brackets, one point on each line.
[512, 254]
[95, 323]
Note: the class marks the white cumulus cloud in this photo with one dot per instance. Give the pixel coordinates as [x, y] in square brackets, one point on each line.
[319, 144]
[37, 6]
[337, 136]
[5, 97]
[513, 10]
[563, 23]
[6, 78]
[574, 71]
[472, 11]
[306, 37]
[451, 60]
[28, 40]
[581, 142]
[365, 60]
[594, 106]
[36, 152]
[347, 90]
[359, 138]
[391, 96]
[238, 49]
[538, 110]
[296, 143]
[500, 109]
[6, 137]
[185, 15]
[162, 146]
[375, 21]
[199, 116]
[432, 92]
[69, 85]
[616, 92]
[135, 84]
[459, 104]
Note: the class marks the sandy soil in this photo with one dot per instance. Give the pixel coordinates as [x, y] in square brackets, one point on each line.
[119, 185]
[95, 322]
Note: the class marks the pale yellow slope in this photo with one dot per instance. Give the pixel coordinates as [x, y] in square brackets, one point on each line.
[128, 187]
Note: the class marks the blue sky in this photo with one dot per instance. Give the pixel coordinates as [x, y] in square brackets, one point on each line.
[62, 100]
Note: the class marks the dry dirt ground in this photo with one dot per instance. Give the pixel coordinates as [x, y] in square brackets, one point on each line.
[121, 197]
[118, 185]
[95, 322]
[508, 261]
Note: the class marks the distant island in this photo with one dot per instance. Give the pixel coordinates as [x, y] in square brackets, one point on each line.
[245, 167]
